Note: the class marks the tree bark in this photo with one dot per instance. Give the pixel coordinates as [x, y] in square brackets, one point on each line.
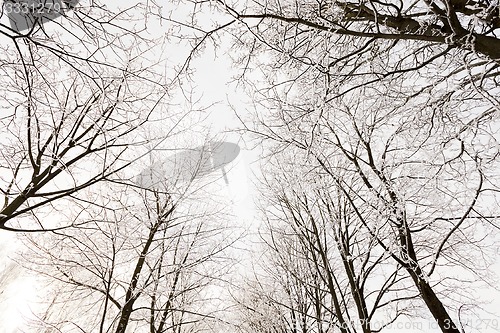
[428, 295]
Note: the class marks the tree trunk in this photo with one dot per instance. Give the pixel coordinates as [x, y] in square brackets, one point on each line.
[125, 317]
[437, 309]
[430, 298]
[488, 46]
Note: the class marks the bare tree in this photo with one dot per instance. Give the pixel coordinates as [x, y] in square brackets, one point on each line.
[423, 196]
[325, 269]
[402, 100]
[446, 48]
[88, 37]
[149, 260]
[73, 100]
[466, 25]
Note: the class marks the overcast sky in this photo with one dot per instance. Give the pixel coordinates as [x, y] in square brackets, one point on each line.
[214, 71]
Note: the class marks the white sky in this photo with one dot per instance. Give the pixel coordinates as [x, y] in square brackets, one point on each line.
[18, 295]
[214, 71]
